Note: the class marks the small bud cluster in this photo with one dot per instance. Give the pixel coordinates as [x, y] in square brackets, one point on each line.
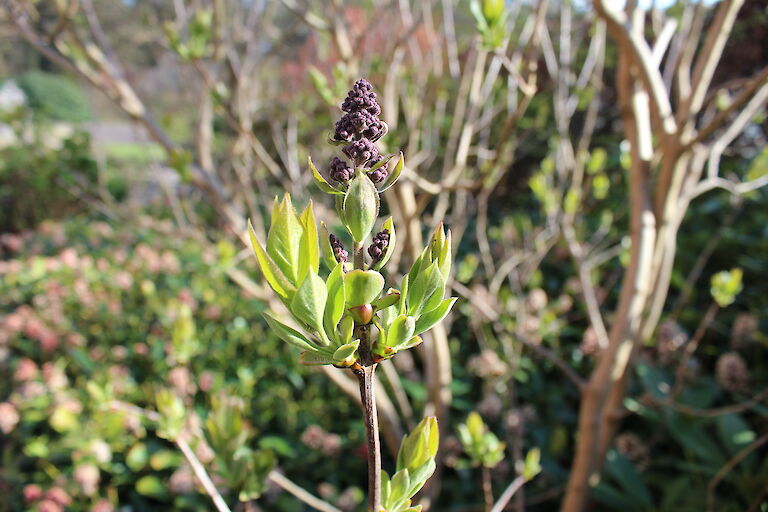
[340, 170]
[378, 248]
[339, 252]
[360, 127]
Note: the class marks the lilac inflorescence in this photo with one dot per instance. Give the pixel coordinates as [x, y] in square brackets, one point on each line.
[379, 245]
[339, 252]
[361, 97]
[362, 151]
[340, 170]
[358, 125]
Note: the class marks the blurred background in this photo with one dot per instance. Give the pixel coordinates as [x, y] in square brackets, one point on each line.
[137, 136]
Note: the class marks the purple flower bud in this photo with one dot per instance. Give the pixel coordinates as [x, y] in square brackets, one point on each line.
[378, 175]
[360, 98]
[378, 247]
[362, 151]
[357, 125]
[340, 170]
[339, 253]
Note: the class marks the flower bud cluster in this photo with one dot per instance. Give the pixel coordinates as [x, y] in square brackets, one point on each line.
[339, 252]
[378, 248]
[360, 127]
[340, 170]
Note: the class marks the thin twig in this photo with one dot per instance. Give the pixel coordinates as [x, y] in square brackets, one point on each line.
[202, 475]
[728, 467]
[508, 493]
[300, 493]
[487, 489]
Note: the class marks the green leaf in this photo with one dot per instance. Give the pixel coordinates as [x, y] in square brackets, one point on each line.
[325, 247]
[308, 305]
[320, 181]
[362, 287]
[389, 225]
[394, 174]
[309, 254]
[726, 285]
[418, 447]
[441, 251]
[625, 474]
[401, 330]
[284, 239]
[151, 486]
[316, 358]
[345, 352]
[426, 292]
[532, 464]
[289, 334]
[334, 307]
[400, 485]
[390, 299]
[346, 329]
[272, 273]
[361, 206]
[137, 457]
[432, 318]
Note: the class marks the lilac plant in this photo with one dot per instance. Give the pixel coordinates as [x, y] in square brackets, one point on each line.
[346, 318]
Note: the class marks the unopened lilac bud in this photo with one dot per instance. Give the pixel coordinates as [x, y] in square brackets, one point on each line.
[357, 125]
[339, 252]
[361, 97]
[378, 175]
[340, 170]
[361, 151]
[379, 244]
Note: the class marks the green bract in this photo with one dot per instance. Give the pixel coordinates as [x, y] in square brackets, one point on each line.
[361, 206]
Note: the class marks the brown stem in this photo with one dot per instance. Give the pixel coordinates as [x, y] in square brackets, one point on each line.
[368, 396]
[364, 371]
[359, 256]
[487, 489]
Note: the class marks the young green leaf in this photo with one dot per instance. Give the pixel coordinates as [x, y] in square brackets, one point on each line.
[394, 174]
[362, 287]
[289, 334]
[401, 330]
[325, 247]
[316, 358]
[390, 299]
[334, 306]
[284, 239]
[344, 353]
[320, 181]
[426, 292]
[308, 305]
[309, 255]
[269, 268]
[432, 318]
